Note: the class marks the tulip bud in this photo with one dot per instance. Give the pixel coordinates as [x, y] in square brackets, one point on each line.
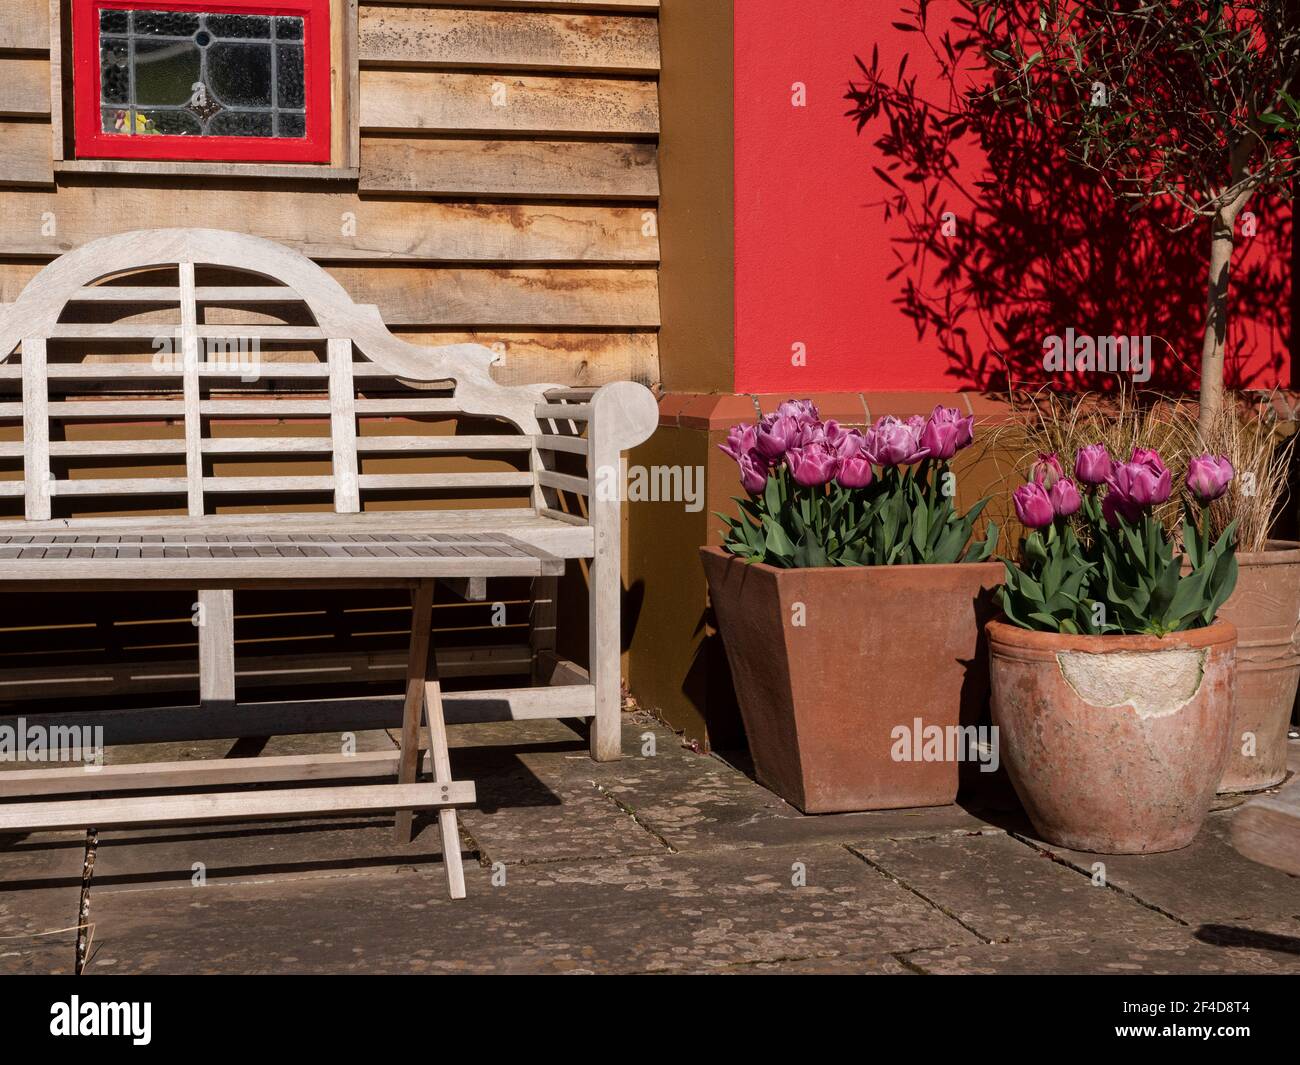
[855, 472]
[1047, 470]
[1033, 506]
[753, 472]
[1065, 498]
[1092, 464]
[1208, 477]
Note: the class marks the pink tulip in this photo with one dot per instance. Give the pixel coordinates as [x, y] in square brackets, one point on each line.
[891, 442]
[1208, 477]
[812, 465]
[946, 432]
[1033, 506]
[777, 433]
[1149, 457]
[1065, 498]
[1092, 464]
[855, 471]
[846, 442]
[802, 410]
[1047, 470]
[811, 431]
[753, 472]
[740, 439]
[1136, 486]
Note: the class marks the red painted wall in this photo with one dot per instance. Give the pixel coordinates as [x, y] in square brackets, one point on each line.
[1038, 252]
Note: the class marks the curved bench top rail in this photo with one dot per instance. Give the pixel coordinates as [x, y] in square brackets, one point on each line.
[68, 300]
[36, 312]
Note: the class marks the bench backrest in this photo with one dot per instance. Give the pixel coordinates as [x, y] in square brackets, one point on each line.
[187, 369]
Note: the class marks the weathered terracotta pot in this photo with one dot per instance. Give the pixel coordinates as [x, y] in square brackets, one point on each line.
[828, 662]
[1265, 608]
[1114, 743]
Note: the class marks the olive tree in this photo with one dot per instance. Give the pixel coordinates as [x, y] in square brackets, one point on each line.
[1187, 101]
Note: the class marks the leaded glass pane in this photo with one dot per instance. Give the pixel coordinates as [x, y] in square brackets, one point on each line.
[202, 74]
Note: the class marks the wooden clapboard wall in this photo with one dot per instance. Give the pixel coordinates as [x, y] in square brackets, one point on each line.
[506, 192]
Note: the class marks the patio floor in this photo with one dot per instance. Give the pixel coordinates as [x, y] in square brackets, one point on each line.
[673, 863]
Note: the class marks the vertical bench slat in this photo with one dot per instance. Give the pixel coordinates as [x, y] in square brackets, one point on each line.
[193, 410]
[343, 427]
[36, 430]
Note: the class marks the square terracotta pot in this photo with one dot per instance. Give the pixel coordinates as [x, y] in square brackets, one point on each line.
[829, 662]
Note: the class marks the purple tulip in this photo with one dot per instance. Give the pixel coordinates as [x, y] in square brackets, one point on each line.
[1136, 486]
[946, 432]
[1047, 470]
[776, 434]
[891, 442]
[801, 410]
[1092, 464]
[753, 472]
[741, 439]
[1065, 498]
[846, 442]
[855, 471]
[1208, 477]
[1149, 457]
[811, 431]
[813, 465]
[1033, 506]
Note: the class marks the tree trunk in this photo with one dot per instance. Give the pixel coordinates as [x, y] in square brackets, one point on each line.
[1216, 317]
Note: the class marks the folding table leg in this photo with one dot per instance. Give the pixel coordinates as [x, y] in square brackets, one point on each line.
[417, 665]
[442, 775]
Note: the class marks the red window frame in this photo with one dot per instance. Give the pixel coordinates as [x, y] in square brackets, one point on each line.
[92, 143]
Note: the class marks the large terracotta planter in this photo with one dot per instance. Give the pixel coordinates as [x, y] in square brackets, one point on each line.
[828, 662]
[1114, 743]
[1265, 608]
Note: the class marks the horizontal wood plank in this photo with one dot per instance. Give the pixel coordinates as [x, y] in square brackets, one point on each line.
[506, 298]
[552, 169]
[24, 86]
[334, 225]
[524, 40]
[229, 806]
[439, 101]
[25, 24]
[27, 156]
[563, 358]
[480, 299]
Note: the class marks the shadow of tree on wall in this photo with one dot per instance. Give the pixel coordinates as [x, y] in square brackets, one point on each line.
[1002, 242]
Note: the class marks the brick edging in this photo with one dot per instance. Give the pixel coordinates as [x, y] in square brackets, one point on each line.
[718, 411]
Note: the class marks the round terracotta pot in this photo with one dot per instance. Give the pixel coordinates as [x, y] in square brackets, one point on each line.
[1114, 743]
[1265, 608]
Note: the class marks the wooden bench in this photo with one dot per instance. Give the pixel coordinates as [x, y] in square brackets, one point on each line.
[164, 336]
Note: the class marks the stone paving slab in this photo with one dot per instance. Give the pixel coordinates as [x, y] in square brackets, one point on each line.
[670, 913]
[545, 800]
[128, 859]
[694, 801]
[1206, 882]
[40, 898]
[1174, 952]
[1004, 890]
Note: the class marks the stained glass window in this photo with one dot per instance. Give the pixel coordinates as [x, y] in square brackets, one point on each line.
[192, 73]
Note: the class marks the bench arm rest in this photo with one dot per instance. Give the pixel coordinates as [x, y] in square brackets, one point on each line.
[624, 414]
